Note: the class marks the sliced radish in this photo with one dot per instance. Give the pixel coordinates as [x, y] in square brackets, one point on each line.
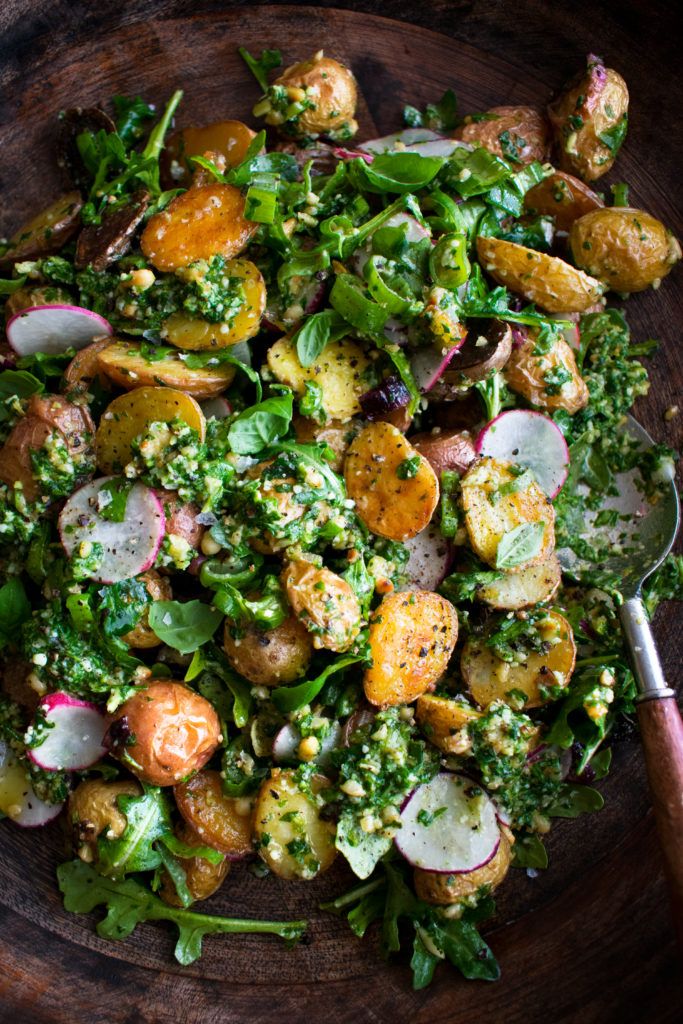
[287, 740]
[74, 740]
[129, 547]
[401, 141]
[17, 797]
[529, 439]
[429, 364]
[436, 147]
[216, 408]
[448, 826]
[570, 333]
[430, 559]
[54, 329]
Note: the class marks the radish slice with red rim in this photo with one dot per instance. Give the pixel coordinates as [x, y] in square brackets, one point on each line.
[73, 739]
[18, 799]
[429, 364]
[430, 559]
[448, 826]
[528, 439]
[128, 547]
[54, 329]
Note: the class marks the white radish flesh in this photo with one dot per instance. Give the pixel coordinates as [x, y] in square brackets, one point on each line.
[54, 329]
[74, 740]
[449, 826]
[430, 559]
[528, 439]
[129, 547]
[429, 364]
[401, 142]
[17, 797]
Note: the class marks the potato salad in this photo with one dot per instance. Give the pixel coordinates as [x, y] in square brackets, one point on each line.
[296, 430]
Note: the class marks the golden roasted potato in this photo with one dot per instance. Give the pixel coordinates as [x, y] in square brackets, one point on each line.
[445, 450]
[394, 487]
[202, 877]
[334, 433]
[201, 223]
[290, 835]
[339, 371]
[159, 589]
[324, 603]
[589, 121]
[84, 368]
[130, 415]
[221, 821]
[123, 364]
[488, 519]
[444, 890]
[627, 249]
[518, 134]
[193, 334]
[279, 490]
[563, 197]
[523, 589]
[547, 281]
[43, 295]
[227, 139]
[93, 810]
[488, 678]
[444, 722]
[47, 232]
[46, 415]
[327, 90]
[270, 657]
[164, 733]
[412, 636]
[181, 518]
[550, 380]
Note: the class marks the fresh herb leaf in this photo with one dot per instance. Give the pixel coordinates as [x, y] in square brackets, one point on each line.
[261, 425]
[260, 66]
[316, 332]
[148, 819]
[519, 545]
[290, 698]
[15, 609]
[184, 625]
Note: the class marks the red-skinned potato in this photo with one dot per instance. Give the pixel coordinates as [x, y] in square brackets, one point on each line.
[518, 134]
[223, 822]
[159, 589]
[271, 657]
[526, 372]
[324, 602]
[181, 518]
[445, 450]
[563, 197]
[15, 685]
[44, 295]
[164, 733]
[84, 369]
[202, 877]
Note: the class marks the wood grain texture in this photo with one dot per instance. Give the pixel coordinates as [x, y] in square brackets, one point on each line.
[588, 940]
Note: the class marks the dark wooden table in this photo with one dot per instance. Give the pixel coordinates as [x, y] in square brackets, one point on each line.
[597, 947]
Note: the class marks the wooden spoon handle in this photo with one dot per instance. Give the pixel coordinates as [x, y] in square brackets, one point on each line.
[661, 730]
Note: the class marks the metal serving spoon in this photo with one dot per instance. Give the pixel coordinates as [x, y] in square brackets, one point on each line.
[646, 535]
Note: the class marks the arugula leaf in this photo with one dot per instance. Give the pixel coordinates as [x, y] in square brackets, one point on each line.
[465, 948]
[148, 819]
[130, 113]
[423, 962]
[198, 360]
[15, 609]
[439, 117]
[529, 852]
[316, 332]
[290, 698]
[519, 545]
[129, 903]
[260, 66]
[184, 625]
[574, 800]
[9, 287]
[361, 850]
[261, 425]
[222, 686]
[177, 874]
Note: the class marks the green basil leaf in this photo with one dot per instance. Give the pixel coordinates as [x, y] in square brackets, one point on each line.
[398, 172]
[261, 425]
[290, 698]
[184, 625]
[519, 545]
[316, 332]
[15, 609]
[19, 383]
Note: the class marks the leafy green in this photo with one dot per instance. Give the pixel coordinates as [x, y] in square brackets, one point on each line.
[439, 117]
[463, 586]
[148, 820]
[398, 172]
[529, 852]
[260, 66]
[261, 425]
[15, 609]
[519, 545]
[316, 332]
[290, 698]
[574, 800]
[131, 112]
[184, 625]
[118, 490]
[613, 137]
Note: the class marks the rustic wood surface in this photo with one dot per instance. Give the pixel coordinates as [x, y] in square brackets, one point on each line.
[590, 939]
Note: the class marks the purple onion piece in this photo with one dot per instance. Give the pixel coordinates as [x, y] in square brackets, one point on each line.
[389, 395]
[351, 154]
[519, 335]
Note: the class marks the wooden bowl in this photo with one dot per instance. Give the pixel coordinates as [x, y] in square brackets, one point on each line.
[589, 939]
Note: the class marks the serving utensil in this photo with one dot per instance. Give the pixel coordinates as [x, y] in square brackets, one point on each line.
[645, 537]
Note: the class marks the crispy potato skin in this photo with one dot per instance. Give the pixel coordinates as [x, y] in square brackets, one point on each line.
[284, 813]
[412, 636]
[625, 248]
[159, 589]
[563, 197]
[334, 433]
[594, 103]
[338, 370]
[444, 890]
[270, 657]
[131, 414]
[488, 678]
[197, 225]
[216, 818]
[442, 721]
[389, 505]
[473, 362]
[525, 134]
[84, 368]
[122, 363]
[165, 732]
[487, 523]
[181, 518]
[202, 877]
[548, 281]
[524, 589]
[47, 232]
[93, 808]
[447, 450]
[324, 603]
[331, 87]
[229, 139]
[191, 334]
[45, 415]
[525, 374]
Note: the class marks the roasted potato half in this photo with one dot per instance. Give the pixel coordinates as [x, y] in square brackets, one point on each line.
[394, 487]
[324, 603]
[94, 811]
[444, 722]
[531, 586]
[548, 281]
[84, 369]
[223, 822]
[339, 370]
[494, 508]
[412, 636]
[547, 380]
[290, 834]
[271, 657]
[228, 139]
[47, 232]
[563, 197]
[627, 249]
[159, 589]
[202, 877]
[488, 678]
[518, 134]
[444, 890]
[193, 334]
[123, 364]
